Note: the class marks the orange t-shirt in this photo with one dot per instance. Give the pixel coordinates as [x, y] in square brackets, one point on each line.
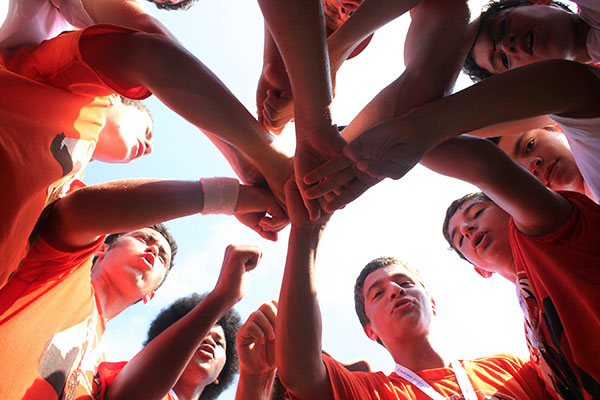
[505, 376]
[558, 277]
[50, 326]
[52, 109]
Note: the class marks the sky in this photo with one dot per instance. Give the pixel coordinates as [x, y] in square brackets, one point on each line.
[475, 317]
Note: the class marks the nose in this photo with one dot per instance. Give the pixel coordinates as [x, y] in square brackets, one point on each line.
[347, 7]
[467, 229]
[395, 290]
[210, 341]
[534, 166]
[147, 146]
[153, 248]
[508, 43]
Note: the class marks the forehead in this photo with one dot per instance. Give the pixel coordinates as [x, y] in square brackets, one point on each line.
[385, 273]
[464, 207]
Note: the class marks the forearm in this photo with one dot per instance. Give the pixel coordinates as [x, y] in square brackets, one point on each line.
[121, 206]
[549, 87]
[435, 47]
[298, 330]
[368, 17]
[304, 52]
[254, 387]
[158, 366]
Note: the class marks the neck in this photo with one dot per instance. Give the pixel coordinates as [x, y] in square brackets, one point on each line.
[580, 52]
[418, 354]
[109, 302]
[187, 391]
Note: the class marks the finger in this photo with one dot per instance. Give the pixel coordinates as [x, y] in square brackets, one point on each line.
[264, 323]
[252, 333]
[332, 166]
[351, 193]
[383, 169]
[272, 224]
[314, 210]
[352, 151]
[331, 184]
[269, 310]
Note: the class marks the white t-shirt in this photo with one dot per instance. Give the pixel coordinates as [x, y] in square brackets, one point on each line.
[583, 136]
[30, 22]
[589, 11]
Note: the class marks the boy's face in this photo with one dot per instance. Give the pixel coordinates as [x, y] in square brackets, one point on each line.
[135, 264]
[338, 11]
[208, 360]
[126, 135]
[547, 155]
[479, 230]
[396, 305]
[523, 35]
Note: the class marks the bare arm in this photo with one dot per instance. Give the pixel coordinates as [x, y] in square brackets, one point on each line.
[129, 13]
[535, 209]
[298, 331]
[368, 17]
[122, 206]
[157, 367]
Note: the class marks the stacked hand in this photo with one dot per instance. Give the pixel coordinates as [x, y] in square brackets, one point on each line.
[275, 105]
[390, 150]
[259, 210]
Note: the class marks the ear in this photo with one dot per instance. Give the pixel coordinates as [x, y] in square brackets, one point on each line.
[216, 381]
[101, 252]
[483, 272]
[370, 333]
[148, 297]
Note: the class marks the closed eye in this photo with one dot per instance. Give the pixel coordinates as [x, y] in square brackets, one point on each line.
[460, 241]
[376, 295]
[407, 283]
[478, 213]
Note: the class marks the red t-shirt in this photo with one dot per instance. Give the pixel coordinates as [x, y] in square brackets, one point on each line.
[50, 326]
[503, 375]
[558, 278]
[107, 372]
[51, 110]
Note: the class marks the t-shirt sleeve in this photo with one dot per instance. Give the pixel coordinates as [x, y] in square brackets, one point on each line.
[348, 385]
[44, 262]
[107, 373]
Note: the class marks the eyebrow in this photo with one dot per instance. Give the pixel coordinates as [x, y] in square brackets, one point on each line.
[464, 212]
[379, 281]
[490, 33]
[517, 149]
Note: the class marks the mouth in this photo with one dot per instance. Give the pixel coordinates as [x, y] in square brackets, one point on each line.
[207, 350]
[148, 260]
[401, 305]
[549, 173]
[141, 148]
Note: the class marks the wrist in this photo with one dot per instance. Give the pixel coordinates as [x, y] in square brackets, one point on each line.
[220, 195]
[221, 299]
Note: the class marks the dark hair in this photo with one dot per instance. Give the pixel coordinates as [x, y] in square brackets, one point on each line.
[456, 204]
[470, 67]
[160, 228]
[378, 263]
[230, 323]
[182, 5]
[142, 107]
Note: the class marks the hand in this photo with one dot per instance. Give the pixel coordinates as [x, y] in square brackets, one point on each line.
[255, 341]
[339, 182]
[297, 212]
[390, 149]
[311, 152]
[252, 208]
[275, 105]
[238, 261]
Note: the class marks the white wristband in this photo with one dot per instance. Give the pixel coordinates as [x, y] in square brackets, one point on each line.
[220, 195]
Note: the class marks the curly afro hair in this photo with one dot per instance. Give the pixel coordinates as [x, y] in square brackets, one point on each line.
[230, 323]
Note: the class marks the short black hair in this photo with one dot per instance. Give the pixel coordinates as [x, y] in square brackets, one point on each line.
[470, 67]
[374, 265]
[160, 228]
[230, 323]
[182, 5]
[456, 204]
